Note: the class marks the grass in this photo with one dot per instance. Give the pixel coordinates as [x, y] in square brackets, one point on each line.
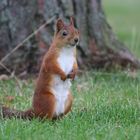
[106, 105]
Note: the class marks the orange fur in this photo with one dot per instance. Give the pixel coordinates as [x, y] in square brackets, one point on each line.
[68, 103]
[74, 71]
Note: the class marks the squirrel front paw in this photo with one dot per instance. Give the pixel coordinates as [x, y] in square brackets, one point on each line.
[63, 78]
[71, 75]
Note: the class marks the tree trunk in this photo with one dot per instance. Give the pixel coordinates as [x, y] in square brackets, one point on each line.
[98, 48]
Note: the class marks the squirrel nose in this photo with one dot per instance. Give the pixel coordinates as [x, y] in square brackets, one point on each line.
[75, 40]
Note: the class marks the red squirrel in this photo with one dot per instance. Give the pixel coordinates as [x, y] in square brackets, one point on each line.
[52, 97]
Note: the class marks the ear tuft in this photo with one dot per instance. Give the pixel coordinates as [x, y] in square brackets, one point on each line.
[71, 21]
[59, 25]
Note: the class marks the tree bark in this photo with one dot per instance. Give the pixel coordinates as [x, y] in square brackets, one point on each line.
[98, 48]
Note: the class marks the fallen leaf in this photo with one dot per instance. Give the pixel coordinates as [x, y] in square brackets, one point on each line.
[4, 77]
[9, 98]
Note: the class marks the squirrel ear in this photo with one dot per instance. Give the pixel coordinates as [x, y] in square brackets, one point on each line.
[71, 21]
[59, 25]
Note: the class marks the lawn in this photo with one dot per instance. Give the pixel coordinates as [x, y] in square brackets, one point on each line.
[124, 18]
[106, 104]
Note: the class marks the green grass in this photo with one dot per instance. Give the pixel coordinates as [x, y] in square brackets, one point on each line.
[106, 107]
[124, 18]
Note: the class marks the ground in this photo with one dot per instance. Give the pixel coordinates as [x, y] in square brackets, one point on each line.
[106, 104]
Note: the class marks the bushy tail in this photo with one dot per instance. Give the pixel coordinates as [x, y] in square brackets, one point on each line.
[6, 112]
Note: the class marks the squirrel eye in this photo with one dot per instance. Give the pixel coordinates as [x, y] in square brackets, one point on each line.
[64, 33]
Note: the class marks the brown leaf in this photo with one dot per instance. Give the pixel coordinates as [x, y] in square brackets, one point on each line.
[82, 87]
[4, 77]
[9, 98]
[132, 74]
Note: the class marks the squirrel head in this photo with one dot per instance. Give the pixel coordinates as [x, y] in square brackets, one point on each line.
[66, 35]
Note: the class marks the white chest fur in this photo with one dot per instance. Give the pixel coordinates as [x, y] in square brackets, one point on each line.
[66, 59]
[61, 88]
